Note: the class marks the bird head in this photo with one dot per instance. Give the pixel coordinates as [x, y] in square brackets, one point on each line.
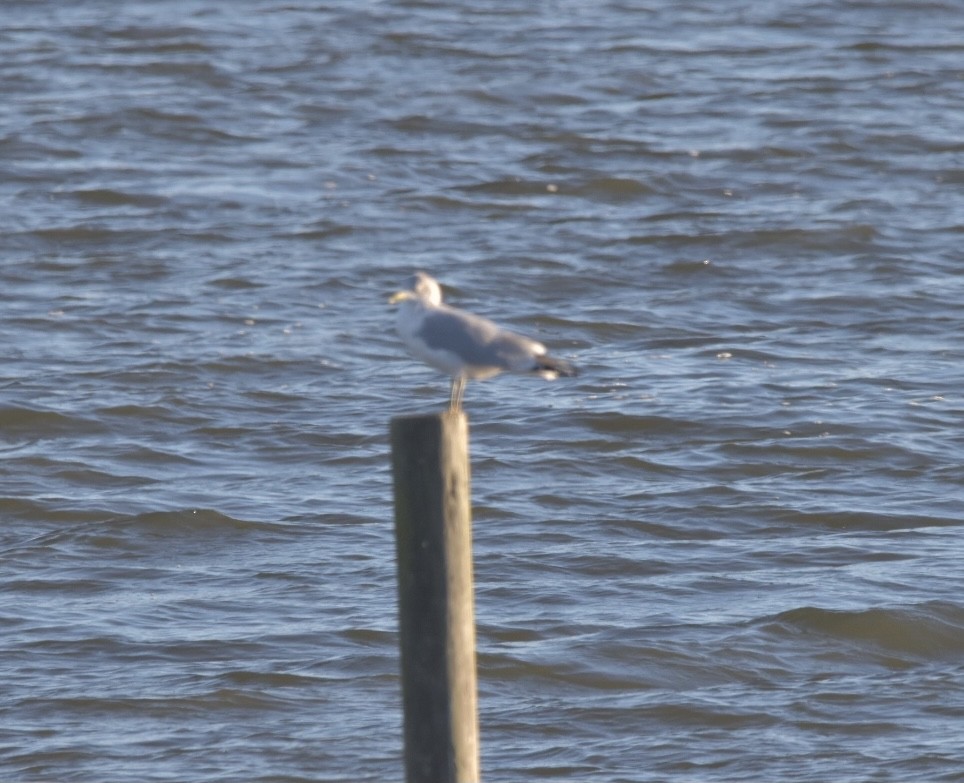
[423, 288]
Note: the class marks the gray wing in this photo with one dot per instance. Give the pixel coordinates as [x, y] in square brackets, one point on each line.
[477, 341]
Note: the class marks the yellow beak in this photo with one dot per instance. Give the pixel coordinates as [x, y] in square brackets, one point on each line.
[401, 296]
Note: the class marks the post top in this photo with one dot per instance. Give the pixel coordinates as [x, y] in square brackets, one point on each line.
[441, 416]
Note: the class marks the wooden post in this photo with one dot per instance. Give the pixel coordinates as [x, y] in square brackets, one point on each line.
[433, 535]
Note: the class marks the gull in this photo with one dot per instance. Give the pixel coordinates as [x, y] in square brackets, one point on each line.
[464, 345]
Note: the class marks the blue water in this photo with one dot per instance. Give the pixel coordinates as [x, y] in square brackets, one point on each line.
[729, 550]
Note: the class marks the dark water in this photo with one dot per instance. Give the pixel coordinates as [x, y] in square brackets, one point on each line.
[730, 550]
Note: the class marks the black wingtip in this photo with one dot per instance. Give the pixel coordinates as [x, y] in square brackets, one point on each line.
[550, 364]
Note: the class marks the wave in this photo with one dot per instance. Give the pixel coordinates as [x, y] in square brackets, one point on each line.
[19, 421]
[932, 631]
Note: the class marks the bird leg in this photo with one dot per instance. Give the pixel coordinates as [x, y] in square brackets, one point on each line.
[458, 388]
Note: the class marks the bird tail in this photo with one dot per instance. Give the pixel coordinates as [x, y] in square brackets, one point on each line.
[551, 368]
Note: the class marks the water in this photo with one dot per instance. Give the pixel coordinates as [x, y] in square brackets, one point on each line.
[730, 550]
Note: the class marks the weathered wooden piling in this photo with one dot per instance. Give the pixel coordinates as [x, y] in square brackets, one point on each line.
[433, 534]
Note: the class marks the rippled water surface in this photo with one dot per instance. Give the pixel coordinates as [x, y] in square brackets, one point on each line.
[730, 550]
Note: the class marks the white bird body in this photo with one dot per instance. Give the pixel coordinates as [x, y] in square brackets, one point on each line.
[463, 345]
